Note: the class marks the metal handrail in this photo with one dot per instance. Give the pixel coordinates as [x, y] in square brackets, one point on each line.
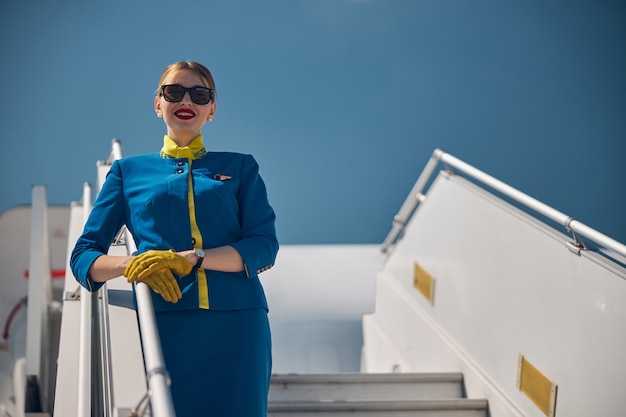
[416, 196]
[104, 398]
[84, 342]
[156, 372]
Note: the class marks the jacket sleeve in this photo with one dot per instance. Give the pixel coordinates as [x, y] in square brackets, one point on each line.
[258, 246]
[104, 222]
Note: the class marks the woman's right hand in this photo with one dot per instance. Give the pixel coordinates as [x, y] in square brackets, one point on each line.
[153, 261]
[164, 283]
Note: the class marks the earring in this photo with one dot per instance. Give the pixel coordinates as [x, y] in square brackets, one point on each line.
[158, 113]
[210, 119]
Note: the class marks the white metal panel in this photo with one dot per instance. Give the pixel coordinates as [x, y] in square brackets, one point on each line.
[129, 383]
[39, 289]
[38, 340]
[66, 400]
[402, 337]
[323, 281]
[507, 284]
[317, 295]
[15, 231]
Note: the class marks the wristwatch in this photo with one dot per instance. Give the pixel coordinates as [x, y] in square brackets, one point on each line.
[200, 254]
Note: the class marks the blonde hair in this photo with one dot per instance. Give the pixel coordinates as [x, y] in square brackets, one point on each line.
[196, 67]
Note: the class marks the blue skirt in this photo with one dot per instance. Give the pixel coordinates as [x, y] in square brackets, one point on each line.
[219, 361]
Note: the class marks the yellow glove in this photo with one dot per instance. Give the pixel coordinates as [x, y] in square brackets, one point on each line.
[153, 261]
[164, 283]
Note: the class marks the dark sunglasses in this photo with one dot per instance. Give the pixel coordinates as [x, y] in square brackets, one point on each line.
[175, 93]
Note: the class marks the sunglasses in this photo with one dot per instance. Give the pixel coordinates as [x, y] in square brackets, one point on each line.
[175, 93]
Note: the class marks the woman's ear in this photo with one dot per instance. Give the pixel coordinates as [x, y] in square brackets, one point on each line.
[157, 106]
[212, 112]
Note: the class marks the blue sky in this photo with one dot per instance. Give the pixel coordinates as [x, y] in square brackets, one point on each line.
[342, 102]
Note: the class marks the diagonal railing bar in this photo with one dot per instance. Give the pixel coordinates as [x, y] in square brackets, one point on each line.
[416, 196]
[159, 391]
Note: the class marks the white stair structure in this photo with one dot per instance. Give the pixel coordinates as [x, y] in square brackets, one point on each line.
[483, 282]
[482, 303]
[360, 394]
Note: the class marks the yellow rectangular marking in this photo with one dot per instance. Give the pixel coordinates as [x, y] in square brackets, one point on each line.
[424, 282]
[536, 386]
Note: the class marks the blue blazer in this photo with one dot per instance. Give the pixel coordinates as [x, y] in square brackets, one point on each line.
[149, 194]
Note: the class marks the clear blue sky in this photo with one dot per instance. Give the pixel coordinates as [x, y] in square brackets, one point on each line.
[342, 102]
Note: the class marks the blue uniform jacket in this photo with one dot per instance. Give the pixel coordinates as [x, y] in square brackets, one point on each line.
[148, 193]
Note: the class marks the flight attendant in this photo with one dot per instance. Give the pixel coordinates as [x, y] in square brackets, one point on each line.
[204, 230]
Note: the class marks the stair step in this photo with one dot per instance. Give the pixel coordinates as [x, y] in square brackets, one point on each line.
[419, 408]
[365, 386]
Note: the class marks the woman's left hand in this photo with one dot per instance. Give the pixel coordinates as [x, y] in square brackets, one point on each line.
[189, 255]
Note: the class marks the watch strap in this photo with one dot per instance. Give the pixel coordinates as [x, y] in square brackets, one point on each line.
[200, 255]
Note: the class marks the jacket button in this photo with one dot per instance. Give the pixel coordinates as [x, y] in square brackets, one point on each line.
[180, 163]
[180, 171]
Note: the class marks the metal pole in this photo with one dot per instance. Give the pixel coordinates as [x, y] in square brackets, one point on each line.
[156, 372]
[413, 199]
[158, 379]
[84, 349]
[116, 149]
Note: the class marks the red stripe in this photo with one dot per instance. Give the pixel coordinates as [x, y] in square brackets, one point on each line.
[54, 273]
[12, 314]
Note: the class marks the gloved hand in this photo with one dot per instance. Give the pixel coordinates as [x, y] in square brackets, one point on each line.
[164, 283]
[152, 261]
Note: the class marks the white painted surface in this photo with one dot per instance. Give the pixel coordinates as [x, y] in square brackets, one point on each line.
[15, 248]
[66, 402]
[38, 362]
[128, 378]
[15, 229]
[317, 295]
[505, 285]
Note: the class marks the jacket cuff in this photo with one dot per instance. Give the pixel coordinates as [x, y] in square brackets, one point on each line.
[81, 271]
[254, 260]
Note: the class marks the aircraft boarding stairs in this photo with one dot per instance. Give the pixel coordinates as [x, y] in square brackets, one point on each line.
[374, 394]
[475, 307]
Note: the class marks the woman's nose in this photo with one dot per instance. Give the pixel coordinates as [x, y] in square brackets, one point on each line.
[186, 98]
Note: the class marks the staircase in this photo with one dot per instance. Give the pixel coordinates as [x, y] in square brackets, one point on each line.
[372, 394]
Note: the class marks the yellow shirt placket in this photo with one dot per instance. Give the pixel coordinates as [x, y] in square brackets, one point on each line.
[203, 287]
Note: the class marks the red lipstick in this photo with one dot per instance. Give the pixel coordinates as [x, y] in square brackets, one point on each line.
[185, 114]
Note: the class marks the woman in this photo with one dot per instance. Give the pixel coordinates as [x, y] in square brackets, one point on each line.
[204, 230]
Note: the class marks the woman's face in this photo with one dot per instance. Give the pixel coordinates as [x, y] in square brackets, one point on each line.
[185, 118]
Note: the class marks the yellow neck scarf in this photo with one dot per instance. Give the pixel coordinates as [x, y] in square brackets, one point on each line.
[195, 150]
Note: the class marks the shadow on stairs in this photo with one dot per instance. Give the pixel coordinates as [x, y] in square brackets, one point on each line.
[372, 394]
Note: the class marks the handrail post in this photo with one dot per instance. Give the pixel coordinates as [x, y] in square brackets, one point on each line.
[84, 347]
[412, 200]
[116, 150]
